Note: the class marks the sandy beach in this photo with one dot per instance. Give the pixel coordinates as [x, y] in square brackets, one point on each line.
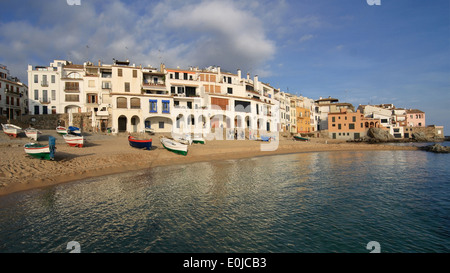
[107, 154]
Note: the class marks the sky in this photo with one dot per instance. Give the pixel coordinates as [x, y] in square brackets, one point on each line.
[397, 52]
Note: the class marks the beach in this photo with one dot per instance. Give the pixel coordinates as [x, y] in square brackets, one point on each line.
[105, 154]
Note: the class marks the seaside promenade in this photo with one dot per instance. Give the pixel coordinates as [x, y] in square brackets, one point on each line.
[107, 154]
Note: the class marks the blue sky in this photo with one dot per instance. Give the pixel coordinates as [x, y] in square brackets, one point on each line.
[397, 52]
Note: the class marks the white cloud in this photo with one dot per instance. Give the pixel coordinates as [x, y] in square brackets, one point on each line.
[184, 33]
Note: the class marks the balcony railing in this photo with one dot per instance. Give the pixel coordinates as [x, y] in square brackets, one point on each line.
[44, 83]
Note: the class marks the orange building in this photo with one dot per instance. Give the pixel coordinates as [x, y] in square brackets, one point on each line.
[303, 120]
[350, 125]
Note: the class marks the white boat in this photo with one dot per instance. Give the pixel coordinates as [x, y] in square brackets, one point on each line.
[73, 140]
[11, 129]
[61, 130]
[37, 150]
[186, 139]
[174, 146]
[32, 133]
[200, 140]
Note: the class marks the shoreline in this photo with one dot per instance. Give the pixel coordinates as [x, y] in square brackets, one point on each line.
[107, 155]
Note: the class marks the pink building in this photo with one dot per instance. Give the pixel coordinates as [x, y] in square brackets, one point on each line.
[415, 118]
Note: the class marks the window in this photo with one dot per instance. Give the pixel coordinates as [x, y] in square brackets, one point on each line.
[134, 73]
[176, 103]
[36, 80]
[53, 94]
[73, 98]
[177, 75]
[185, 76]
[351, 126]
[36, 109]
[339, 126]
[53, 79]
[180, 89]
[36, 94]
[119, 72]
[172, 89]
[91, 98]
[135, 103]
[166, 106]
[44, 96]
[161, 125]
[230, 90]
[153, 106]
[354, 119]
[122, 103]
[333, 119]
[189, 104]
[72, 86]
[44, 110]
[127, 87]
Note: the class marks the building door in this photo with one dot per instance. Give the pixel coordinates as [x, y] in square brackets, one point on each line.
[357, 136]
[334, 135]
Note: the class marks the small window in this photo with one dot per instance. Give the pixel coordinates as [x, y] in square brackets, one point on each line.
[153, 106]
[161, 125]
[119, 72]
[134, 73]
[127, 87]
[166, 106]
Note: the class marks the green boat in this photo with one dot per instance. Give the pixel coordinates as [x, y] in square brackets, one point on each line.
[174, 146]
[301, 138]
[37, 150]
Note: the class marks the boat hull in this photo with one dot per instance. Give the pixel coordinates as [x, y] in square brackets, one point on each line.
[32, 133]
[11, 130]
[175, 147]
[301, 138]
[199, 140]
[140, 144]
[37, 151]
[61, 130]
[74, 141]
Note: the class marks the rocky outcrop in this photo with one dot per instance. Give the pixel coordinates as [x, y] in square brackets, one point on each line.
[420, 136]
[378, 135]
[436, 148]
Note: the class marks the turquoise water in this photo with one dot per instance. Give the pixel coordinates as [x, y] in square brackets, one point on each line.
[308, 203]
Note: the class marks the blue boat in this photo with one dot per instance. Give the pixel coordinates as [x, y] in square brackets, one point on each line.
[265, 138]
[74, 130]
[140, 143]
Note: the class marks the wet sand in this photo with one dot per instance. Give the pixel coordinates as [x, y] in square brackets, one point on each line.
[107, 154]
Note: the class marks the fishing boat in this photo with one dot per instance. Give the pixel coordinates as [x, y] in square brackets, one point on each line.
[61, 130]
[37, 150]
[11, 129]
[74, 130]
[174, 146]
[32, 133]
[200, 140]
[140, 143]
[265, 138]
[187, 140]
[301, 138]
[74, 140]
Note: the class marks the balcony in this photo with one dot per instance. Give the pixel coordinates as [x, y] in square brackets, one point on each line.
[44, 83]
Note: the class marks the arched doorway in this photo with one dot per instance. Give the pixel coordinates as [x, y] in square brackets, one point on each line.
[135, 124]
[122, 121]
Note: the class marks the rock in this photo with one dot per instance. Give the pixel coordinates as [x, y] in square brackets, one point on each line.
[420, 136]
[379, 135]
[436, 148]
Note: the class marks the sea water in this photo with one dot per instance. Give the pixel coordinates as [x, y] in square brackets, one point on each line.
[316, 202]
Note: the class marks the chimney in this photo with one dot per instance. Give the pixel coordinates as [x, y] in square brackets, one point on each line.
[99, 63]
[248, 76]
[239, 74]
[162, 67]
[256, 83]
